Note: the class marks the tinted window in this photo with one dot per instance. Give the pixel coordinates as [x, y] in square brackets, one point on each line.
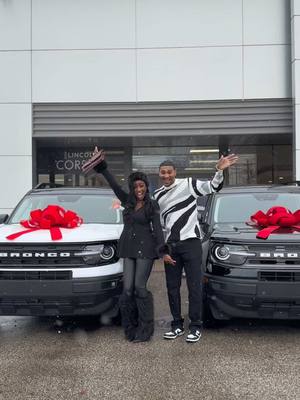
[239, 207]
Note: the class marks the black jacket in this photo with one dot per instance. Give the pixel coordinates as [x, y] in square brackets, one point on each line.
[141, 237]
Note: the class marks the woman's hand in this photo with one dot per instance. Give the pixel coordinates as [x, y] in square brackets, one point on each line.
[97, 159]
[100, 153]
[169, 260]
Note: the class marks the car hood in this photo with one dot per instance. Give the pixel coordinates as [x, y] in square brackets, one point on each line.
[243, 232]
[84, 233]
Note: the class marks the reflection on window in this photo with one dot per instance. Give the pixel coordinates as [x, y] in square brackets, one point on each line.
[188, 160]
[239, 208]
[263, 159]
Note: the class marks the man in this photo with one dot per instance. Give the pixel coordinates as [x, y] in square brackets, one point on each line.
[178, 209]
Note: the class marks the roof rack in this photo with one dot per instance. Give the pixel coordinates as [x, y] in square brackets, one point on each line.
[48, 185]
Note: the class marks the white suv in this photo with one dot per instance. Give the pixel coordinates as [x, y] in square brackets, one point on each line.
[79, 274]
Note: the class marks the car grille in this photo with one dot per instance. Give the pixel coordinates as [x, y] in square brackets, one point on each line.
[60, 260]
[37, 262]
[272, 262]
[279, 276]
[272, 259]
[56, 255]
[35, 275]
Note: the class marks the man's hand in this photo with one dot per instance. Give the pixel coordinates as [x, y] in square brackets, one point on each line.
[225, 162]
[168, 259]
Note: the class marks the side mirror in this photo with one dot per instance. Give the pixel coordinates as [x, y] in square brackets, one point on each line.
[201, 212]
[3, 218]
[204, 226]
[201, 217]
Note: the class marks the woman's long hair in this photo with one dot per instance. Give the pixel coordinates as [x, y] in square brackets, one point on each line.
[131, 202]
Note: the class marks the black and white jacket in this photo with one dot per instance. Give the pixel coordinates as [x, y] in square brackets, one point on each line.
[178, 206]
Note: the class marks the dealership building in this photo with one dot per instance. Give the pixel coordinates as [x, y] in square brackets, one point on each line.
[148, 80]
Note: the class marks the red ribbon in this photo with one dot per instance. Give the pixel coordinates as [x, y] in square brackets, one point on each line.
[274, 220]
[53, 218]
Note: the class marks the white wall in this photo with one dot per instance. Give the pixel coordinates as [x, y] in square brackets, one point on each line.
[132, 50]
[15, 102]
[295, 23]
[141, 50]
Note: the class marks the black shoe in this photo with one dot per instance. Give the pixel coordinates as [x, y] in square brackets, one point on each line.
[193, 336]
[174, 333]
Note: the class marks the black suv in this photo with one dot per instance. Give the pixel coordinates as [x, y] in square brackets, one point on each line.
[246, 276]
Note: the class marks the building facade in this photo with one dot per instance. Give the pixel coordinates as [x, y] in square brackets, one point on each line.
[148, 80]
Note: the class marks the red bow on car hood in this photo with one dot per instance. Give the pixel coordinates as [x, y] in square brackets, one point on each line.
[275, 219]
[53, 218]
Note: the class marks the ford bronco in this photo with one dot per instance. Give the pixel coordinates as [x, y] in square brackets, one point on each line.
[246, 276]
[77, 275]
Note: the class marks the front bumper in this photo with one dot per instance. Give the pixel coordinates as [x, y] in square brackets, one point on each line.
[81, 296]
[250, 298]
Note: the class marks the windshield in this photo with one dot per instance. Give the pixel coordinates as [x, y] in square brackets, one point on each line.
[104, 209]
[239, 207]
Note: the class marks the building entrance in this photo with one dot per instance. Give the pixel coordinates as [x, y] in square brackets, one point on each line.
[263, 160]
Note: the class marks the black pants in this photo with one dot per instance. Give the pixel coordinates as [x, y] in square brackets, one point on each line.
[188, 255]
[136, 302]
[136, 275]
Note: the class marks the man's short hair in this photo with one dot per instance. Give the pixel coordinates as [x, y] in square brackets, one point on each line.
[167, 163]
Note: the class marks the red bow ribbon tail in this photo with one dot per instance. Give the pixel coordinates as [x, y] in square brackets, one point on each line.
[18, 234]
[55, 233]
[266, 232]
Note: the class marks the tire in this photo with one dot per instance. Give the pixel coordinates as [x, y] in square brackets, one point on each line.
[117, 320]
[209, 321]
[111, 316]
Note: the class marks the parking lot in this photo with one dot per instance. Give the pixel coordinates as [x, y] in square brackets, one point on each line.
[44, 358]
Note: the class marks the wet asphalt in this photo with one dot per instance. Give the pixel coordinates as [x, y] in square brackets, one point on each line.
[82, 358]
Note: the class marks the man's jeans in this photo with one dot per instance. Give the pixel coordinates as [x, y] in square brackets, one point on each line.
[188, 255]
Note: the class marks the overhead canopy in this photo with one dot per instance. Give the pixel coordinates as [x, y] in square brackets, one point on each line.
[265, 116]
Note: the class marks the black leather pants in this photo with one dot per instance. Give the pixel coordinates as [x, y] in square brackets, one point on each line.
[136, 302]
[136, 275]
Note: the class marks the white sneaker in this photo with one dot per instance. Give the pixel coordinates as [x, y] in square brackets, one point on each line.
[193, 336]
[173, 334]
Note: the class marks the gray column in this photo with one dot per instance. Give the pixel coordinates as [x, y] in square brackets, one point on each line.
[295, 28]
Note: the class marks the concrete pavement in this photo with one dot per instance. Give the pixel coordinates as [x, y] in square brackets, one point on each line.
[74, 359]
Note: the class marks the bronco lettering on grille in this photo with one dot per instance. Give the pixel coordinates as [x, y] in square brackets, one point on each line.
[275, 254]
[34, 255]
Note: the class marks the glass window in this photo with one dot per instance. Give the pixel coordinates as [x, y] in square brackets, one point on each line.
[240, 207]
[263, 159]
[103, 209]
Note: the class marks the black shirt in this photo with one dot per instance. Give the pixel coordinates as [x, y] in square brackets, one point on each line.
[141, 237]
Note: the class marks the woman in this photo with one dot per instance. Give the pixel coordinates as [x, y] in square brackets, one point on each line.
[140, 243]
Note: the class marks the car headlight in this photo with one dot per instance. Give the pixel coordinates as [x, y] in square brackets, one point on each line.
[230, 254]
[108, 252]
[98, 254]
[222, 253]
